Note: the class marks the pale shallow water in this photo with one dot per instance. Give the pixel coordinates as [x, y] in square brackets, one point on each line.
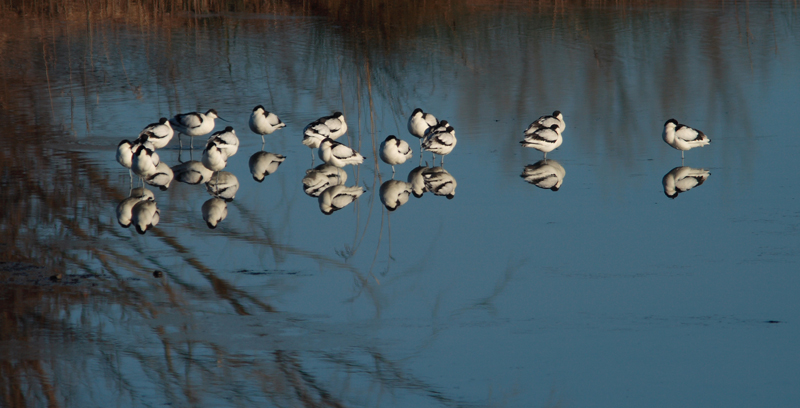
[604, 293]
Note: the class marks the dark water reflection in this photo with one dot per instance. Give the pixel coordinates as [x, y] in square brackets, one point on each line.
[608, 293]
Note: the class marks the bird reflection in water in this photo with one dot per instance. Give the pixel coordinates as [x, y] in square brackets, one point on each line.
[321, 177]
[145, 215]
[547, 174]
[337, 197]
[439, 182]
[262, 164]
[214, 211]
[223, 185]
[417, 181]
[125, 207]
[192, 172]
[394, 193]
[161, 178]
[682, 179]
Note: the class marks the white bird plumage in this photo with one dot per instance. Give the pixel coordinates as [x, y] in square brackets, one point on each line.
[161, 178]
[226, 141]
[337, 154]
[159, 133]
[194, 123]
[682, 179]
[544, 140]
[314, 133]
[683, 137]
[337, 197]
[417, 181]
[336, 124]
[263, 122]
[394, 151]
[545, 122]
[145, 161]
[547, 174]
[419, 122]
[262, 164]
[440, 139]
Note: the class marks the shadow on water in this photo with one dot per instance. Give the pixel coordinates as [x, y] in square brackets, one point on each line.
[80, 304]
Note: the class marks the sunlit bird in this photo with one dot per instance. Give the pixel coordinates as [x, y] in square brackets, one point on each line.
[419, 122]
[125, 207]
[321, 177]
[263, 122]
[394, 193]
[337, 197]
[226, 141]
[159, 133]
[683, 137]
[194, 124]
[546, 122]
[440, 139]
[394, 151]
[213, 157]
[145, 215]
[214, 211]
[544, 140]
[144, 161]
[313, 134]
[439, 182]
[339, 155]
[262, 164]
[546, 174]
[682, 179]
[336, 124]
[192, 172]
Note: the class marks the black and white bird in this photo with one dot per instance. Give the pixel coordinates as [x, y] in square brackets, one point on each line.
[192, 172]
[144, 161]
[394, 193]
[682, 179]
[145, 215]
[161, 178]
[394, 151]
[336, 124]
[546, 122]
[194, 124]
[417, 181]
[213, 157]
[125, 207]
[321, 177]
[223, 185]
[419, 122]
[214, 211]
[226, 141]
[337, 197]
[683, 137]
[337, 154]
[263, 122]
[313, 134]
[440, 139]
[159, 133]
[439, 182]
[544, 140]
[547, 174]
[262, 164]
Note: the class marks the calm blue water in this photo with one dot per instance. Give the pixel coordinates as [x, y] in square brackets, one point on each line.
[605, 293]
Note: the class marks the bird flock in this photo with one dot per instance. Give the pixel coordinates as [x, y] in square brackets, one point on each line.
[326, 181]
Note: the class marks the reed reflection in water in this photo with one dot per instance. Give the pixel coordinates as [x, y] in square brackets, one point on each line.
[276, 264]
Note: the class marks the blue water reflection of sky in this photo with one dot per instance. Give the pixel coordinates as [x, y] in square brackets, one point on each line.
[605, 293]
